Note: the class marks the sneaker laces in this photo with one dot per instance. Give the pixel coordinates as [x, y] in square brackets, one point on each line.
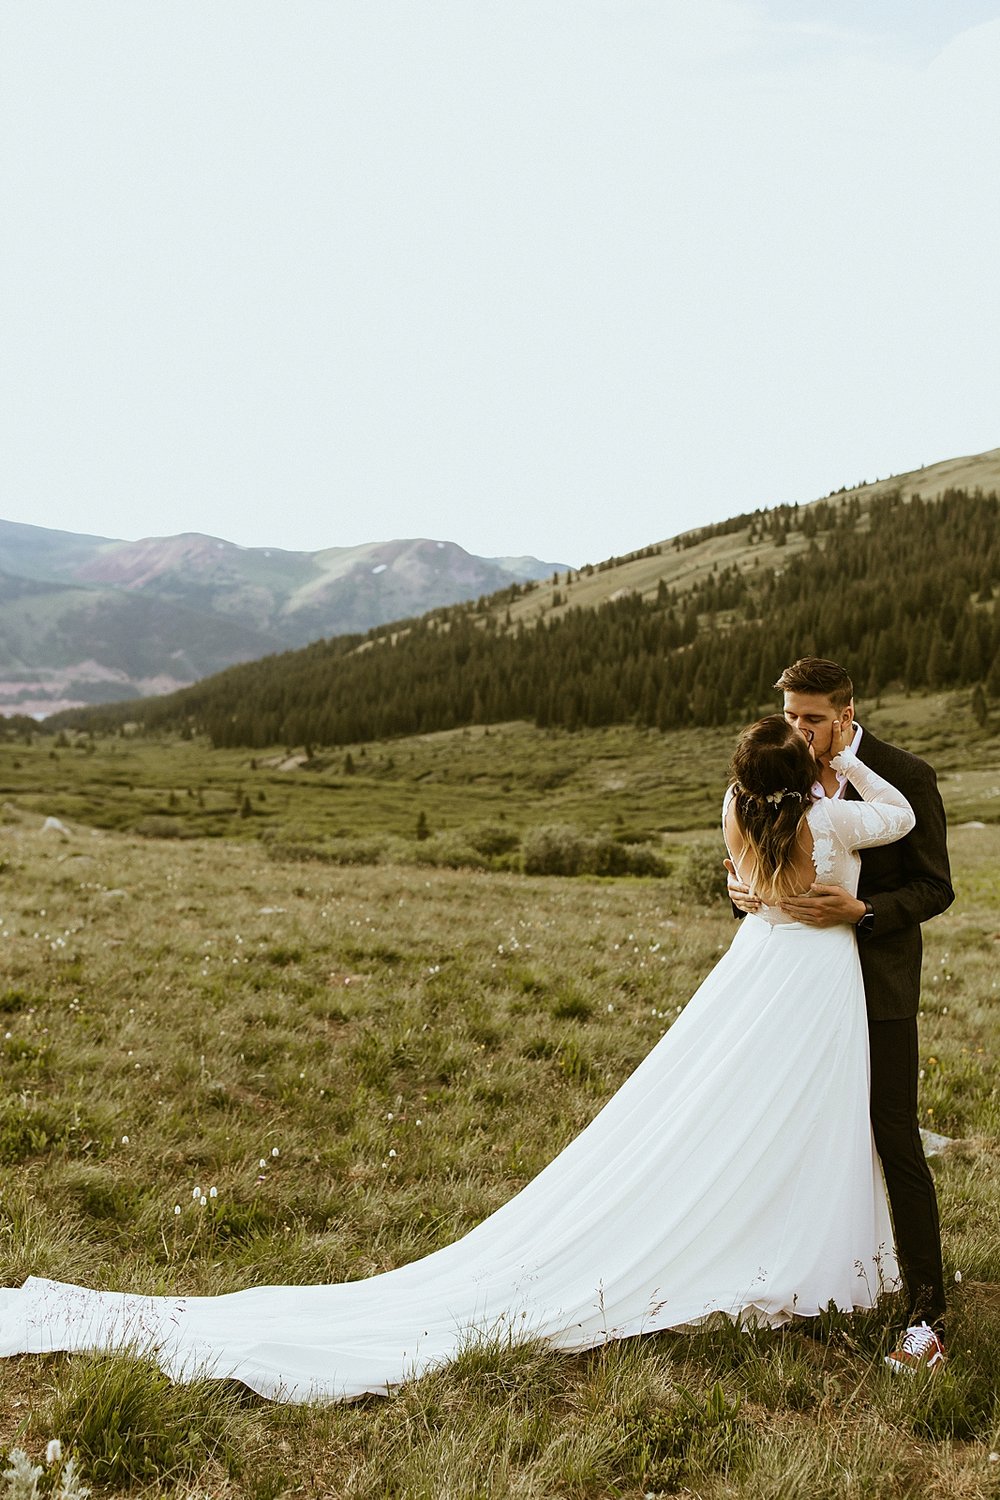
[920, 1340]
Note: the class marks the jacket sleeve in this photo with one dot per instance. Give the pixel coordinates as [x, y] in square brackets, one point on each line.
[926, 890]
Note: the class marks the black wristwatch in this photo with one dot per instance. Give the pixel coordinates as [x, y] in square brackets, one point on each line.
[865, 925]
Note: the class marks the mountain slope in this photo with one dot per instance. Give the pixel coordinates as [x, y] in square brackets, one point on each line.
[684, 562]
[901, 588]
[84, 618]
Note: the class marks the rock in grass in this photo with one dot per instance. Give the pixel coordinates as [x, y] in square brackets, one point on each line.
[933, 1143]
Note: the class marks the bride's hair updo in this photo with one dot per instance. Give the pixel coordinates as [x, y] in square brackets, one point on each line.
[773, 771]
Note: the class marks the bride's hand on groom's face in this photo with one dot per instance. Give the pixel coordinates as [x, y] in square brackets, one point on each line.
[841, 737]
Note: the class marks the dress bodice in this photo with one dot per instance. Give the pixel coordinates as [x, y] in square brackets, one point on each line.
[841, 828]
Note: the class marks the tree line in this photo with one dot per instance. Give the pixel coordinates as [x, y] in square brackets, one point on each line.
[901, 592]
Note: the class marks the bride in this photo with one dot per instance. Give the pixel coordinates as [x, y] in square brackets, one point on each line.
[732, 1174]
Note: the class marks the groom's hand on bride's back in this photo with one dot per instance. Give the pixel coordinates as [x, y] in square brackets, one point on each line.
[824, 906]
[739, 894]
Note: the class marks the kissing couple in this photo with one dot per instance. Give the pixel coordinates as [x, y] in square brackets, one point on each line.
[744, 1171]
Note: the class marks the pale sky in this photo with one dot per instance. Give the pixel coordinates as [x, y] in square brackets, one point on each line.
[550, 276]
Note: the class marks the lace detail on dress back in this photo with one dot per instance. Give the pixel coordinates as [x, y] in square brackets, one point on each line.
[833, 864]
[840, 828]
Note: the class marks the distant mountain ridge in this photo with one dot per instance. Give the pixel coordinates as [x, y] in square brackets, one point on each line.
[88, 619]
[899, 579]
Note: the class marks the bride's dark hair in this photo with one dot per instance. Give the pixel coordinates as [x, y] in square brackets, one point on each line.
[773, 771]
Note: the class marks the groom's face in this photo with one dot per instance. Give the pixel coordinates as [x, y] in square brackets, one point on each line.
[814, 715]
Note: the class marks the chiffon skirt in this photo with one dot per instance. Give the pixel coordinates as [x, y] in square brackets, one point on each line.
[733, 1174]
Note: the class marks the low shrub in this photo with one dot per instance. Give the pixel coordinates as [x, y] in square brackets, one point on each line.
[447, 852]
[555, 849]
[701, 875]
[340, 851]
[561, 849]
[492, 839]
[161, 826]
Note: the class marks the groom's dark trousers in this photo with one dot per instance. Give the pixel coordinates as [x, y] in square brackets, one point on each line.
[906, 883]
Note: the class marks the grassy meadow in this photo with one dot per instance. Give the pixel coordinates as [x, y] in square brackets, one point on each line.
[353, 1063]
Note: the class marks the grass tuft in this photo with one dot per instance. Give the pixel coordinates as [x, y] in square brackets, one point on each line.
[131, 1426]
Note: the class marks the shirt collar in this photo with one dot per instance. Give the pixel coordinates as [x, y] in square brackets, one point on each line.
[819, 790]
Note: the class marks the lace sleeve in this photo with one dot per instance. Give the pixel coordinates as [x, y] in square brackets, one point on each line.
[881, 818]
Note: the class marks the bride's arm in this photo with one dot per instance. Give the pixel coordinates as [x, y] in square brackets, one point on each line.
[741, 898]
[883, 816]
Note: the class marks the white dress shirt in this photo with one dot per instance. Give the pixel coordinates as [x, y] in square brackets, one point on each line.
[819, 790]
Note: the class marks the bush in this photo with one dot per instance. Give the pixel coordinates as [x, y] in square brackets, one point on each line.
[555, 849]
[493, 838]
[161, 826]
[644, 859]
[343, 851]
[448, 852]
[560, 849]
[701, 875]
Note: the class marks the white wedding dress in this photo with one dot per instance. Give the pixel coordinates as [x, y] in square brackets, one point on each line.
[732, 1174]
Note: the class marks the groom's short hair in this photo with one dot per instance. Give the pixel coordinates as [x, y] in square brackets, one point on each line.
[811, 674]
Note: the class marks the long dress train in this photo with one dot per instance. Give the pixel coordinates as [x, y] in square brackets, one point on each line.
[732, 1174]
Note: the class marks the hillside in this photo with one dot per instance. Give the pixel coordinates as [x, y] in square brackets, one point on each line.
[692, 631]
[685, 562]
[86, 619]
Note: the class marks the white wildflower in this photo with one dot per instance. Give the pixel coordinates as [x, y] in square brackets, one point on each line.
[213, 1192]
[958, 1275]
[177, 1209]
[53, 1451]
[22, 1477]
[124, 1140]
[196, 1193]
[392, 1153]
[203, 1200]
[70, 1487]
[275, 1151]
[262, 1163]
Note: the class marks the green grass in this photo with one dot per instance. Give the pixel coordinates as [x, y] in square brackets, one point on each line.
[175, 1012]
[471, 785]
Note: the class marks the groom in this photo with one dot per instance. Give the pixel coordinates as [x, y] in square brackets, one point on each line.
[901, 885]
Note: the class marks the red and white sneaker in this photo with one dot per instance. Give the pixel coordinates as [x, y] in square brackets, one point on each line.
[919, 1349]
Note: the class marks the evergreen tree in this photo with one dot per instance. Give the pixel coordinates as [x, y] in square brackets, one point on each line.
[979, 710]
